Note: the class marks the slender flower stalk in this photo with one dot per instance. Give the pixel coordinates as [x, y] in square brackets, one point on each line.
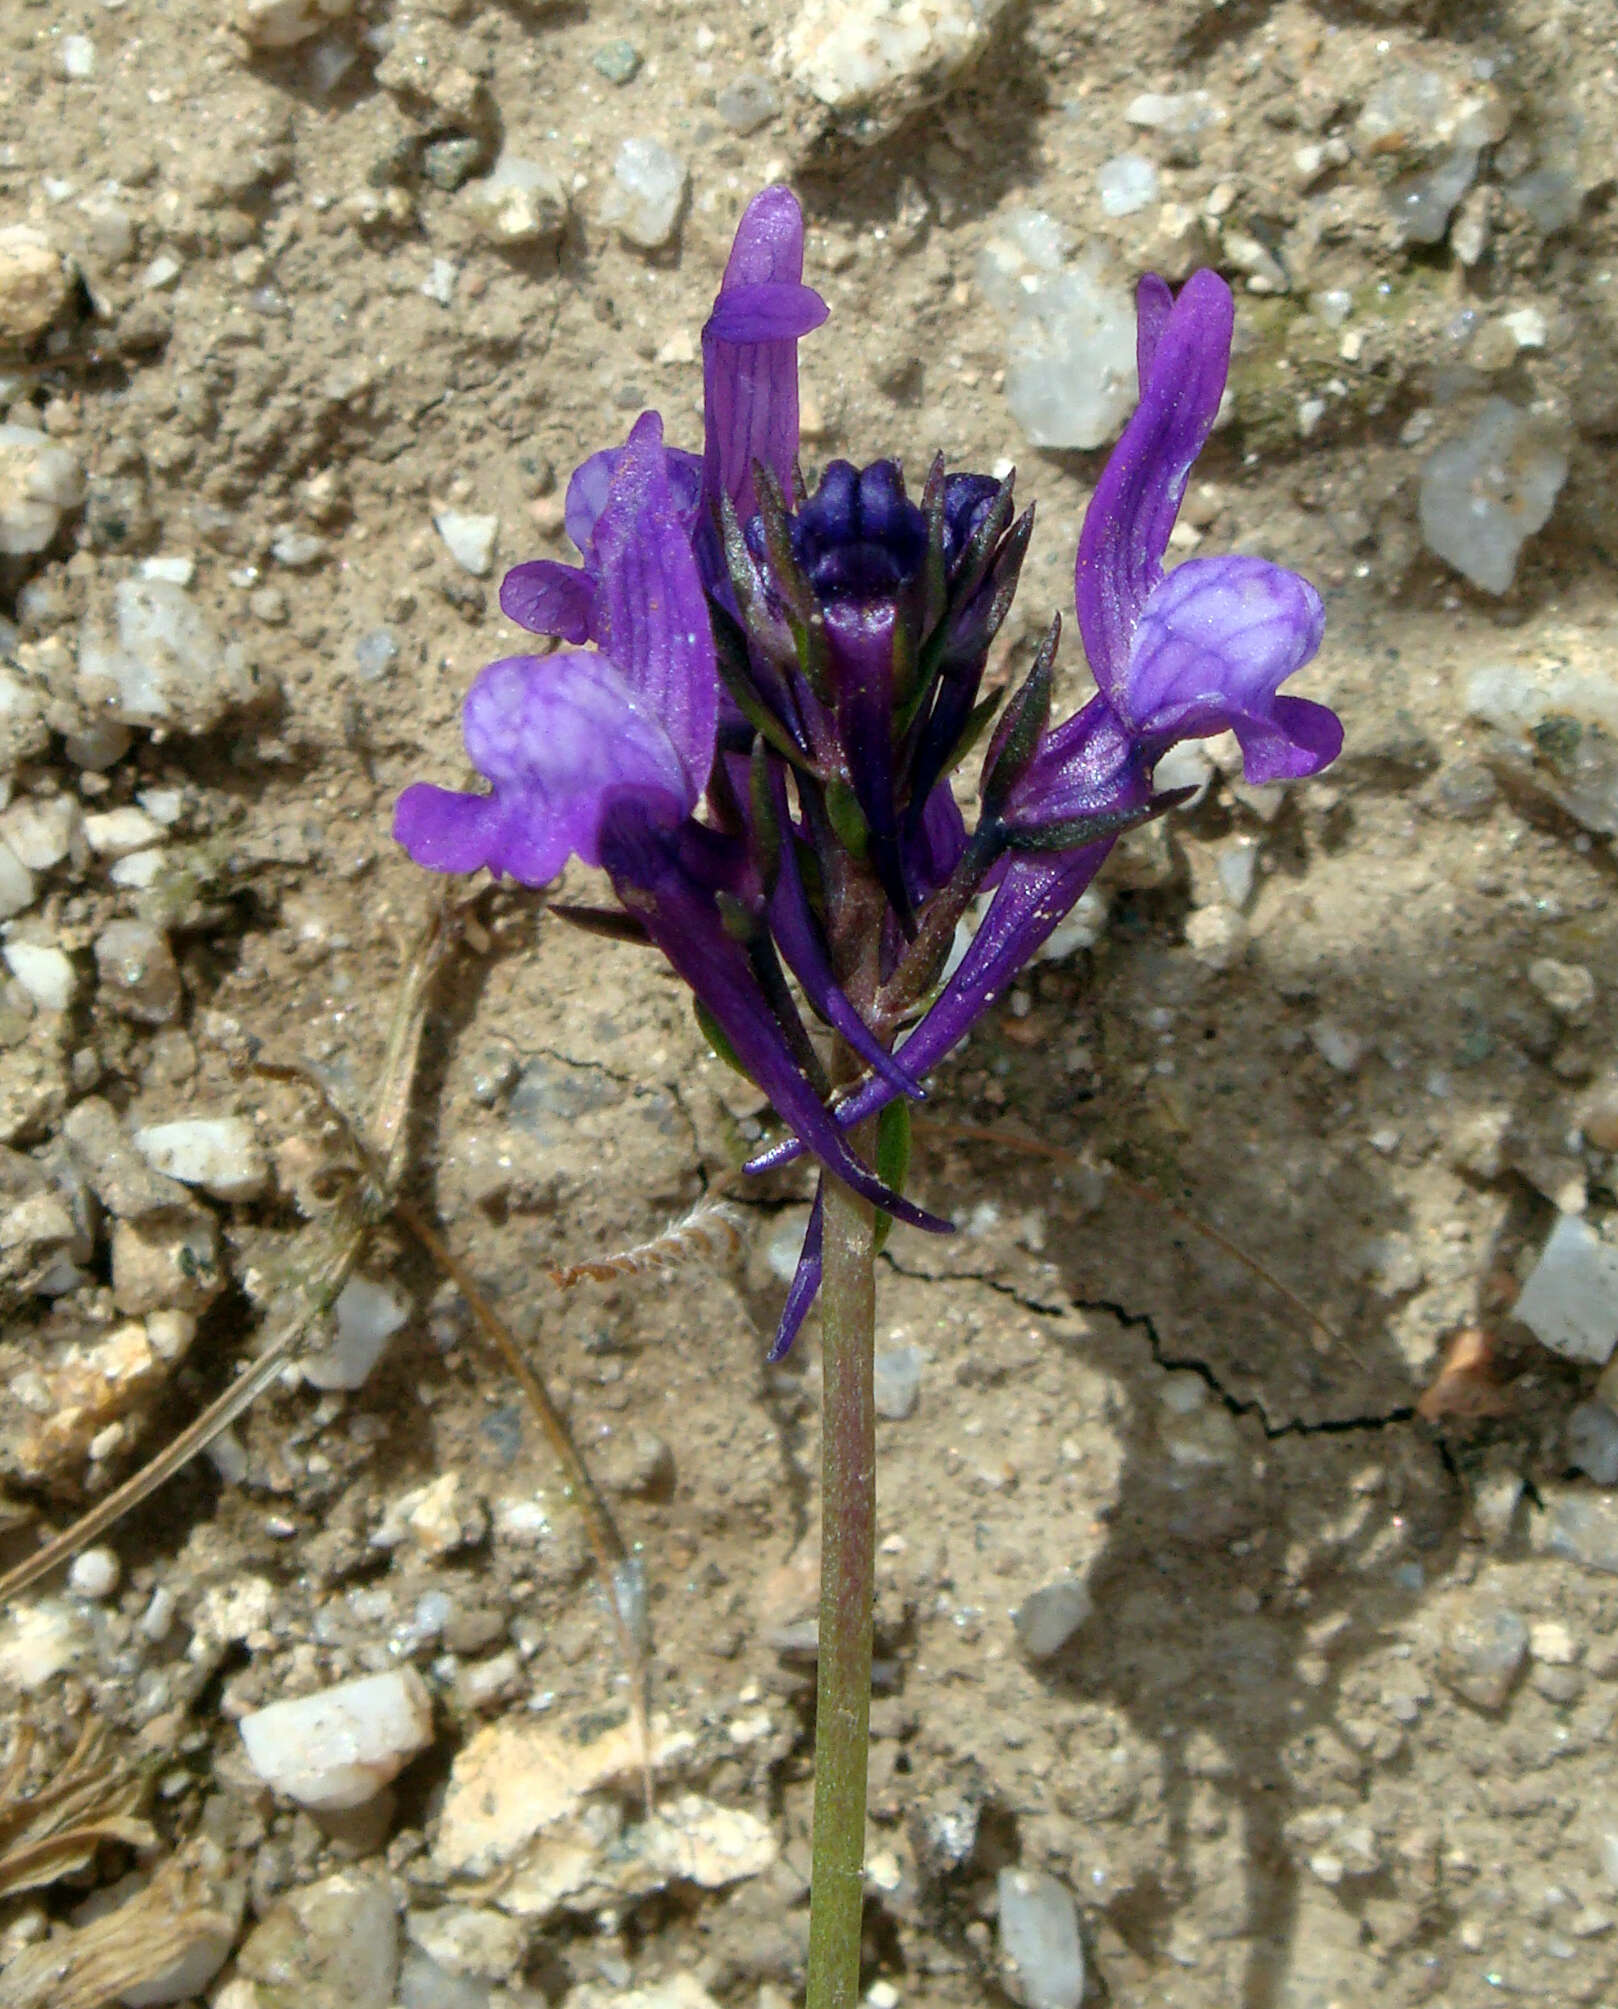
[766, 692]
[847, 1580]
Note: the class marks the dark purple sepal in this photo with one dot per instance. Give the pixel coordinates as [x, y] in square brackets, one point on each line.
[665, 876]
[798, 935]
[805, 1286]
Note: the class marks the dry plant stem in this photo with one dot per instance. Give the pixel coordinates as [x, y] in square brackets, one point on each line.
[847, 1572]
[367, 1202]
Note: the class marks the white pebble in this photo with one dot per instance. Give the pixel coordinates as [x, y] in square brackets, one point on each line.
[1127, 183]
[77, 57]
[43, 830]
[518, 202]
[648, 193]
[16, 884]
[340, 1746]
[1570, 1301]
[1070, 334]
[366, 1316]
[46, 974]
[1039, 1936]
[114, 833]
[1337, 1046]
[218, 1153]
[94, 1574]
[1485, 493]
[40, 481]
[159, 662]
[469, 539]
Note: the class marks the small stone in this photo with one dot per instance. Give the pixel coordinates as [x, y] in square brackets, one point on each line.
[1568, 988]
[95, 1574]
[1552, 1643]
[519, 1777]
[648, 192]
[440, 1517]
[282, 24]
[1217, 937]
[114, 833]
[747, 102]
[139, 977]
[637, 1463]
[160, 663]
[1598, 1120]
[469, 539]
[17, 890]
[519, 202]
[1467, 790]
[1580, 1525]
[898, 1381]
[1592, 1442]
[34, 289]
[365, 1317]
[40, 1640]
[1340, 1049]
[873, 65]
[1482, 1652]
[1237, 867]
[1070, 334]
[218, 1153]
[450, 163]
[1049, 1617]
[470, 1939]
[1570, 1301]
[340, 1746]
[269, 605]
[375, 653]
[1182, 115]
[1039, 1939]
[43, 830]
[46, 974]
[167, 1261]
[297, 550]
[332, 1945]
[1127, 183]
[76, 58]
[619, 62]
[1485, 493]
[40, 481]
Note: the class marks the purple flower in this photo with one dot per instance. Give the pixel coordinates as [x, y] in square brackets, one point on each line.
[562, 739]
[768, 688]
[1201, 650]
[1198, 651]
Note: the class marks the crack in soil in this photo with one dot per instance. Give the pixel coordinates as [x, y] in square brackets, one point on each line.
[1333, 1426]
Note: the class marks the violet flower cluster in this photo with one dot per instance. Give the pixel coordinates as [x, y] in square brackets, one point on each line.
[766, 690]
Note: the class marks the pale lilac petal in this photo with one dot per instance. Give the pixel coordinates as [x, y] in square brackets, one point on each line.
[1214, 641]
[750, 352]
[651, 612]
[587, 490]
[1127, 525]
[549, 599]
[445, 830]
[560, 737]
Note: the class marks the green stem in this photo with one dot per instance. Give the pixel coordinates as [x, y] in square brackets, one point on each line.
[847, 1573]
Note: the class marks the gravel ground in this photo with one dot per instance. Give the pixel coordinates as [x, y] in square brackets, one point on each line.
[1247, 1623]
